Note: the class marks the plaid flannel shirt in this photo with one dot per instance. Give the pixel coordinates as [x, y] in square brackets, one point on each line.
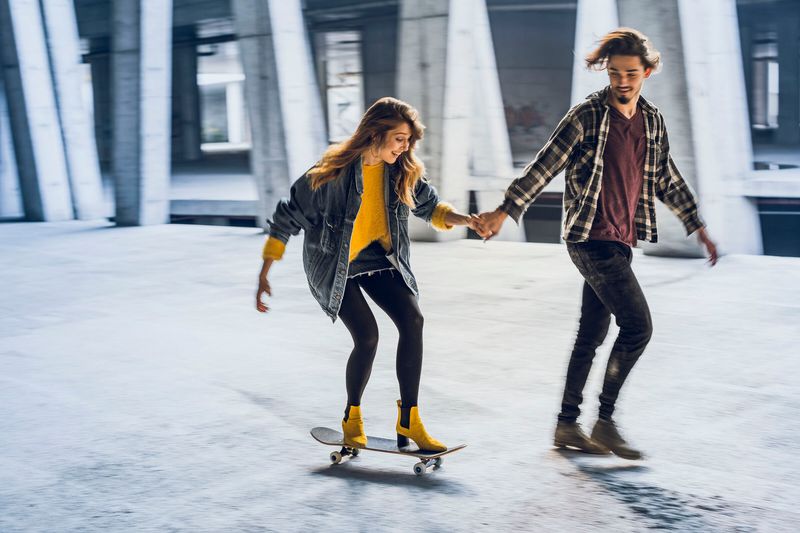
[578, 144]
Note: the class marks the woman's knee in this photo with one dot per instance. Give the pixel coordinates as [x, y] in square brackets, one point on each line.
[367, 340]
[412, 324]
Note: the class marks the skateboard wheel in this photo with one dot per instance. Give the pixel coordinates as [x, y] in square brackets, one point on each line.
[355, 452]
[420, 469]
[438, 462]
[336, 458]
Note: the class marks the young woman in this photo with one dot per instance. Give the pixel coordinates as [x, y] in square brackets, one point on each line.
[353, 207]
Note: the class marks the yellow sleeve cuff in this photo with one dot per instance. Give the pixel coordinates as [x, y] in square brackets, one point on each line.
[439, 214]
[273, 249]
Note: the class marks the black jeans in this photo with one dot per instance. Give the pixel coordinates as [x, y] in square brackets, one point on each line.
[387, 289]
[610, 287]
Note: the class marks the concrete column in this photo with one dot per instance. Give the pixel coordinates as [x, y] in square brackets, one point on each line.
[700, 49]
[283, 99]
[234, 100]
[668, 90]
[435, 66]
[491, 163]
[141, 76]
[10, 196]
[39, 148]
[491, 149]
[713, 59]
[447, 70]
[594, 19]
[300, 94]
[268, 158]
[76, 124]
[186, 98]
[100, 61]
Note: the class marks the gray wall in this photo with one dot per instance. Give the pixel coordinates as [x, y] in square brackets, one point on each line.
[379, 58]
[533, 48]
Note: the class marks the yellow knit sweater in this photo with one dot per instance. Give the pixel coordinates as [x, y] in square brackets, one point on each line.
[370, 224]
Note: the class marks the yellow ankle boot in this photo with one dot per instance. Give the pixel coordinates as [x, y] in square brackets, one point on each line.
[353, 427]
[416, 432]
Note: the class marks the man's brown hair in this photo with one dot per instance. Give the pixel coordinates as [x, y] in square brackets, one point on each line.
[624, 42]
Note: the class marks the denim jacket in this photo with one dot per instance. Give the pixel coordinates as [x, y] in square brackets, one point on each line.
[326, 217]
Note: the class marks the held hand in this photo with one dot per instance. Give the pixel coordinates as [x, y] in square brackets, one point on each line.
[476, 224]
[492, 222]
[711, 248]
[263, 289]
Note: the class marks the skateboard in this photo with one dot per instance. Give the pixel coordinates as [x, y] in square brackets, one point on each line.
[332, 437]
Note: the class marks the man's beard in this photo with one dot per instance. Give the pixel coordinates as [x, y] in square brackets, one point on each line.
[622, 99]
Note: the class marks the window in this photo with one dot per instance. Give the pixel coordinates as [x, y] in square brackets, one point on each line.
[221, 81]
[344, 83]
[765, 83]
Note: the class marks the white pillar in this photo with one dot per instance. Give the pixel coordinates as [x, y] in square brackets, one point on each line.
[492, 165]
[428, 71]
[142, 73]
[234, 102]
[699, 42]
[594, 19]
[301, 103]
[287, 124]
[713, 57]
[491, 153]
[447, 70]
[435, 66]
[668, 90]
[10, 196]
[76, 121]
[38, 144]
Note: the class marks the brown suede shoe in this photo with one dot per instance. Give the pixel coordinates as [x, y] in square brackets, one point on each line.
[570, 435]
[605, 433]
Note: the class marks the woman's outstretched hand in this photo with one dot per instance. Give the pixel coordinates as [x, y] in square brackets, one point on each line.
[476, 224]
[473, 222]
[263, 289]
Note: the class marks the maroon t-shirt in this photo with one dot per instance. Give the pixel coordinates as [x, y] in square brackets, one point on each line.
[623, 174]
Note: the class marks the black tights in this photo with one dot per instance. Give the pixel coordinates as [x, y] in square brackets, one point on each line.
[387, 289]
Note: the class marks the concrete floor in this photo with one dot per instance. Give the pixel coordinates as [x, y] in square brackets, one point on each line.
[141, 391]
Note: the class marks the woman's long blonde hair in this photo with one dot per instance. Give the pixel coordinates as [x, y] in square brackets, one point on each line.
[383, 116]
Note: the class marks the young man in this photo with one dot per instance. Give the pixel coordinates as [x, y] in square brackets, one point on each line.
[615, 150]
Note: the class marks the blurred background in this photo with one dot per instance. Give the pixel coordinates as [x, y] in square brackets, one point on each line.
[204, 112]
[140, 390]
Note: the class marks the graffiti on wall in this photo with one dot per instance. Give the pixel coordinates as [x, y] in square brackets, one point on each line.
[523, 118]
[529, 127]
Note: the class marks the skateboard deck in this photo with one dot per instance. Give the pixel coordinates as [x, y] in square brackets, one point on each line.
[332, 437]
